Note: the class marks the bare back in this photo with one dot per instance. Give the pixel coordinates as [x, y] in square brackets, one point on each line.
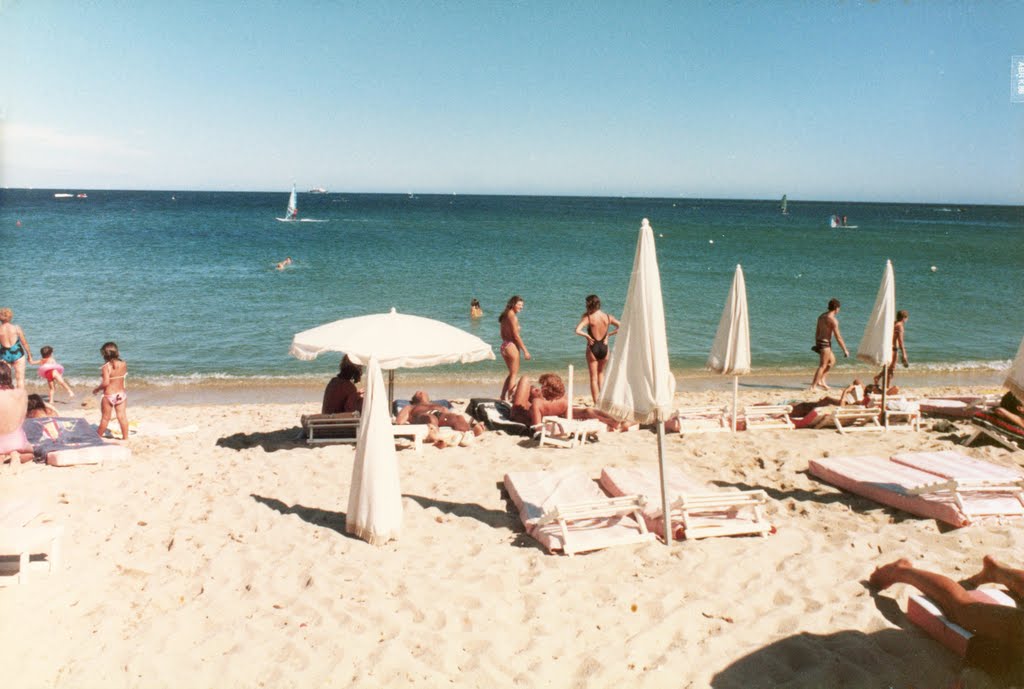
[826, 328]
[9, 334]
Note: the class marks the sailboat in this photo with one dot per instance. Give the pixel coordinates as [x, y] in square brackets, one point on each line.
[291, 214]
[785, 211]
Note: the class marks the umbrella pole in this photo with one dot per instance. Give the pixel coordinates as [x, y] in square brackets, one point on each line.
[665, 514]
[885, 389]
[391, 389]
[735, 399]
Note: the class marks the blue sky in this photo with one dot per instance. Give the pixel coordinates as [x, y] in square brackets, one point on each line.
[902, 101]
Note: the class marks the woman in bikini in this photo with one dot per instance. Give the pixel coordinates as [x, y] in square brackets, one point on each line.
[598, 330]
[511, 343]
[114, 399]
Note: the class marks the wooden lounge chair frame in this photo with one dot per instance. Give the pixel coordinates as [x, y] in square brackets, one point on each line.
[688, 510]
[999, 435]
[850, 418]
[761, 417]
[321, 429]
[958, 486]
[902, 419]
[26, 541]
[566, 431]
[564, 514]
[701, 418]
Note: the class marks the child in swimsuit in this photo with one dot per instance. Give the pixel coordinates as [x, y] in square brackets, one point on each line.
[115, 399]
[52, 371]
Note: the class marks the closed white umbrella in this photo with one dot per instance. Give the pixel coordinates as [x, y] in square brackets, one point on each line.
[1015, 377]
[730, 351]
[876, 345]
[375, 497]
[639, 385]
[397, 340]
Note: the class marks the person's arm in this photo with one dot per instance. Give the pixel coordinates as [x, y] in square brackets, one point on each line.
[612, 320]
[403, 416]
[844, 393]
[579, 330]
[514, 322]
[24, 343]
[902, 347]
[105, 372]
[839, 337]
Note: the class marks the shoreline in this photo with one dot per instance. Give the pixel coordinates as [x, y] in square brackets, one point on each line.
[783, 385]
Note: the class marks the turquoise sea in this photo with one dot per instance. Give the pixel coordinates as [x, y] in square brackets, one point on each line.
[185, 282]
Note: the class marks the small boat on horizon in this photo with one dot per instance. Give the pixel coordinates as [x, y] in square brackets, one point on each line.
[317, 190]
[63, 196]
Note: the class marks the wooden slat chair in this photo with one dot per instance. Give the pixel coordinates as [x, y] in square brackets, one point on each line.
[761, 417]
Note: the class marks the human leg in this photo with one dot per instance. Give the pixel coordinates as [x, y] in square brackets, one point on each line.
[52, 387]
[19, 371]
[60, 379]
[594, 368]
[993, 572]
[510, 353]
[122, 418]
[830, 361]
[105, 409]
[989, 619]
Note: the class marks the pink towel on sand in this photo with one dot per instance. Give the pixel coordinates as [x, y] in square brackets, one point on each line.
[952, 464]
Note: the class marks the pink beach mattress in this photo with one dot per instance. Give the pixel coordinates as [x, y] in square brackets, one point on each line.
[886, 482]
[923, 612]
[953, 464]
[534, 492]
[646, 482]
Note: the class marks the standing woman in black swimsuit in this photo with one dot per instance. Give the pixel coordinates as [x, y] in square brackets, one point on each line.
[598, 329]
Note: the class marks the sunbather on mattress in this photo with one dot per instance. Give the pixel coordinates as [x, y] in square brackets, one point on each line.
[1010, 409]
[999, 629]
[420, 410]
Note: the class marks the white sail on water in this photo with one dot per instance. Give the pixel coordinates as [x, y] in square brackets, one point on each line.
[293, 206]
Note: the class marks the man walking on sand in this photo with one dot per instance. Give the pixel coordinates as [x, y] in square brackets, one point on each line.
[828, 325]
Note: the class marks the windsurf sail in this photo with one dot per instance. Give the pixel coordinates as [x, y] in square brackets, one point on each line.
[785, 211]
[293, 206]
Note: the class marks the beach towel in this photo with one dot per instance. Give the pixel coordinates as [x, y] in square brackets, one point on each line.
[494, 414]
[68, 441]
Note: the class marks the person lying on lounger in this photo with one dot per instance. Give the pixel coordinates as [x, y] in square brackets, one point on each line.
[530, 404]
[1010, 409]
[852, 394]
[1000, 628]
[421, 410]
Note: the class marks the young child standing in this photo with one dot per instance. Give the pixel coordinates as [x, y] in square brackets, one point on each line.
[115, 399]
[52, 371]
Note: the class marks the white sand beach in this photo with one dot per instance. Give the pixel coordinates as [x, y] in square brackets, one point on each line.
[217, 557]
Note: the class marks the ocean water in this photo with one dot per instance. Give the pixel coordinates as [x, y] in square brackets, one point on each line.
[185, 283]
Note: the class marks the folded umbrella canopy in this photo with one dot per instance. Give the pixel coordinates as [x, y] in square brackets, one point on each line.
[639, 385]
[375, 496]
[730, 352]
[876, 345]
[397, 340]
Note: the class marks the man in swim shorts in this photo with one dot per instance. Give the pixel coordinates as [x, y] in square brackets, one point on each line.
[14, 349]
[421, 410]
[828, 325]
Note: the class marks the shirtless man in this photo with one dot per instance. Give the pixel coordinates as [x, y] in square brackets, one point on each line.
[898, 347]
[511, 343]
[1002, 625]
[421, 410]
[828, 325]
[531, 404]
[14, 349]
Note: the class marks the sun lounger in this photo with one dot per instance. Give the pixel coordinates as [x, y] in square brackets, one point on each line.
[567, 431]
[18, 539]
[856, 419]
[563, 509]
[926, 615]
[697, 511]
[320, 429]
[988, 425]
[768, 417]
[901, 414]
[913, 490]
[992, 488]
[956, 407]
[703, 419]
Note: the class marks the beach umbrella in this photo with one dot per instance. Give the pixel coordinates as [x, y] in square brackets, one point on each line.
[1015, 378]
[397, 340]
[639, 385]
[876, 345]
[375, 497]
[730, 351]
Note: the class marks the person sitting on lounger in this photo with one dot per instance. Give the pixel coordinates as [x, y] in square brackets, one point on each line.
[1000, 628]
[1010, 409]
[531, 404]
[852, 395]
[422, 411]
[341, 394]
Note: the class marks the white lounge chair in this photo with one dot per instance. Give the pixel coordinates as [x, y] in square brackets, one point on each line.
[856, 419]
[320, 429]
[703, 419]
[761, 417]
[16, 538]
[901, 414]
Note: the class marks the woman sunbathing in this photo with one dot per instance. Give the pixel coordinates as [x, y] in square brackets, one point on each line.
[1010, 409]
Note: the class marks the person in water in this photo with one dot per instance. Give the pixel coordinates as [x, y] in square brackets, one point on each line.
[511, 343]
[115, 398]
[596, 326]
[285, 263]
[828, 325]
[341, 394]
[475, 310]
[14, 349]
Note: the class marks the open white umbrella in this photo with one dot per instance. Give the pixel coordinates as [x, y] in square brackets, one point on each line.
[639, 385]
[730, 351]
[375, 497]
[397, 340]
[1015, 377]
[876, 345]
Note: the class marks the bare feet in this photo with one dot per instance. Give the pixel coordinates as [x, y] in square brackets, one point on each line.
[885, 576]
[987, 575]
